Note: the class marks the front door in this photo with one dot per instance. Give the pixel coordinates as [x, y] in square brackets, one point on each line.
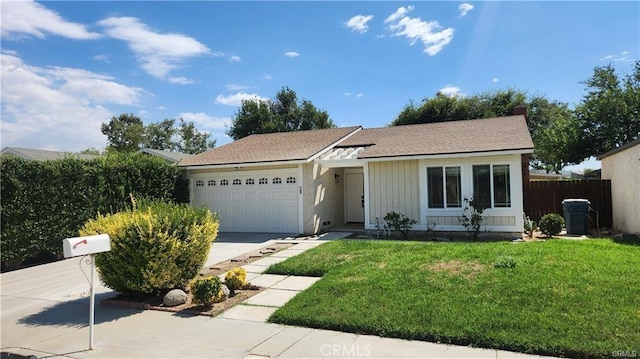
[355, 197]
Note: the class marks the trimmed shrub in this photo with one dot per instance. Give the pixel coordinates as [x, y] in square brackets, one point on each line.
[154, 247]
[206, 291]
[551, 224]
[235, 279]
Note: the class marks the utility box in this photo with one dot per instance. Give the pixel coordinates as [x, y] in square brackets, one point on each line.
[80, 246]
[576, 215]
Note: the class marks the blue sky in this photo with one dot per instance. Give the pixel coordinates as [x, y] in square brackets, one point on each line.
[67, 67]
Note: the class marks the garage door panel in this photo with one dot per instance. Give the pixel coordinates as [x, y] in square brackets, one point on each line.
[247, 204]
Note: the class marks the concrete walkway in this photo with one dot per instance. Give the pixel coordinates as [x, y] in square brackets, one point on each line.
[45, 314]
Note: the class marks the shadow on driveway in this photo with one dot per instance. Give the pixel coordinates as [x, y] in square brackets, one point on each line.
[75, 313]
[229, 237]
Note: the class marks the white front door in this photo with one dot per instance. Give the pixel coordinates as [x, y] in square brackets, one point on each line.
[354, 197]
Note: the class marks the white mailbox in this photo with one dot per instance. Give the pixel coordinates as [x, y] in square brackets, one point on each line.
[80, 246]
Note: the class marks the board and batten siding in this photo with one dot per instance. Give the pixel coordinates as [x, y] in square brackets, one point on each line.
[393, 186]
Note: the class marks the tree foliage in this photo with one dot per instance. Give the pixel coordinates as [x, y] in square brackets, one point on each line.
[127, 133]
[282, 114]
[609, 113]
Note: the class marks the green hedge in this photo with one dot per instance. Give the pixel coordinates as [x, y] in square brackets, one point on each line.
[44, 202]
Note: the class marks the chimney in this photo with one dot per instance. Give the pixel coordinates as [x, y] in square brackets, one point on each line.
[520, 110]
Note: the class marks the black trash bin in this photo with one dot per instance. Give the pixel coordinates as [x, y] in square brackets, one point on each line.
[576, 215]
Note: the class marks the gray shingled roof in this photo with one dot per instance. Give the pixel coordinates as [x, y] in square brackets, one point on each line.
[452, 137]
[271, 147]
[508, 133]
[167, 155]
[43, 155]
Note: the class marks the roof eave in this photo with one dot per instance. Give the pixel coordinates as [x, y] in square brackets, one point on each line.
[520, 151]
[244, 164]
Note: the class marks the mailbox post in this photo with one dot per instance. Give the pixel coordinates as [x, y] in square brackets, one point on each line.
[88, 246]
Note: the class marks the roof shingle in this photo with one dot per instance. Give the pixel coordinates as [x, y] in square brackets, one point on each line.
[467, 136]
[271, 147]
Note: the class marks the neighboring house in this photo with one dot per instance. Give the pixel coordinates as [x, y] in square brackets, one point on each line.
[43, 155]
[622, 167]
[173, 157]
[307, 181]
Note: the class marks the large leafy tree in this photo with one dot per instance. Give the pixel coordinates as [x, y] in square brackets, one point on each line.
[284, 113]
[124, 133]
[609, 113]
[542, 115]
[191, 140]
[127, 133]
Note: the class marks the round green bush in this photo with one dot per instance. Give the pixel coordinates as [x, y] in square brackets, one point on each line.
[206, 291]
[154, 247]
[551, 224]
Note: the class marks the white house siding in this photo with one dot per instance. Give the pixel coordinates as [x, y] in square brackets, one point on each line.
[393, 186]
[623, 169]
[322, 197]
[508, 219]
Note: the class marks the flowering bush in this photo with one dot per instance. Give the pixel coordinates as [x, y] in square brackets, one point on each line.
[235, 279]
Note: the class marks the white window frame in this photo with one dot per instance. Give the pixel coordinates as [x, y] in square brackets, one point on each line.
[444, 185]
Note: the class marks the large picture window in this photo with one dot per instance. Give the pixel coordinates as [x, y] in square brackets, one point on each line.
[444, 187]
[492, 185]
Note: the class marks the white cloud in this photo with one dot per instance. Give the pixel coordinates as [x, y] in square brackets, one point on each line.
[291, 54]
[180, 80]
[433, 36]
[495, 79]
[236, 99]
[205, 121]
[464, 8]
[359, 23]
[360, 95]
[235, 59]
[346, 93]
[57, 107]
[450, 90]
[623, 57]
[161, 108]
[158, 53]
[266, 77]
[102, 58]
[236, 87]
[20, 18]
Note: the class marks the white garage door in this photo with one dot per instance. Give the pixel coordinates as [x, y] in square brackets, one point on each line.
[251, 202]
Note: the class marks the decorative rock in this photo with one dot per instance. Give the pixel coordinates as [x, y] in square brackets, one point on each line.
[174, 297]
[225, 290]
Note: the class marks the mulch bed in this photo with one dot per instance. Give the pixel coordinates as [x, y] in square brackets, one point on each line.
[155, 303]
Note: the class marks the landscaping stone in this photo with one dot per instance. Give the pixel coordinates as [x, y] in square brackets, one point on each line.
[174, 297]
[225, 290]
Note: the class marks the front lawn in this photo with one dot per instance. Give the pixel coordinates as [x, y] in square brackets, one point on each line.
[563, 298]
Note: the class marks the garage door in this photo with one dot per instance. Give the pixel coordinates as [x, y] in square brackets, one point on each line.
[255, 202]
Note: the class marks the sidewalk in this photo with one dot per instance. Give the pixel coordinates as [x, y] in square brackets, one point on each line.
[45, 315]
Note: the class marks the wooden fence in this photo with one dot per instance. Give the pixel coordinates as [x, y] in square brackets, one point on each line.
[542, 197]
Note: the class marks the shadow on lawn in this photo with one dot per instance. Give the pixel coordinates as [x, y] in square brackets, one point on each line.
[75, 313]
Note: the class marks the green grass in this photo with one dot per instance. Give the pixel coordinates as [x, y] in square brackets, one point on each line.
[563, 298]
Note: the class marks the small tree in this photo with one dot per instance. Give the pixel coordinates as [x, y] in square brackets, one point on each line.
[471, 217]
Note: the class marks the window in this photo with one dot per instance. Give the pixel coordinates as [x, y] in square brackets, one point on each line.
[492, 185]
[263, 181]
[237, 182]
[224, 182]
[211, 183]
[291, 180]
[501, 188]
[249, 181]
[199, 183]
[276, 180]
[444, 187]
